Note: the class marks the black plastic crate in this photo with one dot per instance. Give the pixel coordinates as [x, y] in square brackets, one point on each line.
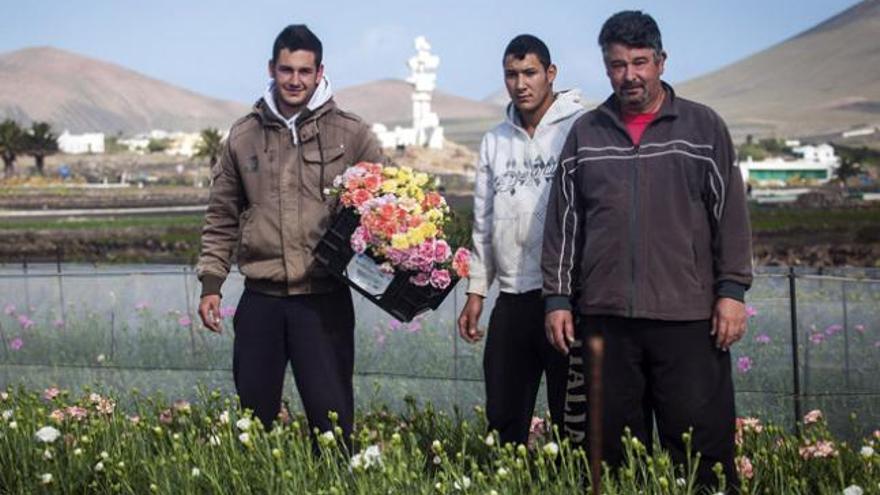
[401, 299]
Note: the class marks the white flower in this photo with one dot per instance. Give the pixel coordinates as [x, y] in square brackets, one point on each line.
[867, 451]
[357, 461]
[47, 434]
[372, 456]
[13, 425]
[327, 437]
[224, 417]
[437, 460]
[47, 455]
[490, 440]
[502, 473]
[244, 438]
[46, 478]
[4, 396]
[99, 466]
[463, 485]
[175, 436]
[195, 472]
[551, 450]
[214, 440]
[104, 455]
[101, 358]
[77, 451]
[7, 414]
[853, 490]
[680, 482]
[243, 424]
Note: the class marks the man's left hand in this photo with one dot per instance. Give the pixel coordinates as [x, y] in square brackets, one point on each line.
[728, 322]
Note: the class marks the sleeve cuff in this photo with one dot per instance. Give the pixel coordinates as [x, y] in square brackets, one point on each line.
[553, 303]
[477, 286]
[731, 289]
[211, 285]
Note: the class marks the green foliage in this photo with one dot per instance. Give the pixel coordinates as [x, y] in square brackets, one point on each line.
[210, 146]
[158, 145]
[40, 142]
[12, 143]
[60, 442]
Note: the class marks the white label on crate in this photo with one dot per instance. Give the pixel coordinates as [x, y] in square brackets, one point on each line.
[365, 273]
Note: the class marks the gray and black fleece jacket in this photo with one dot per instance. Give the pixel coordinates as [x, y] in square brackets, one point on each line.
[659, 230]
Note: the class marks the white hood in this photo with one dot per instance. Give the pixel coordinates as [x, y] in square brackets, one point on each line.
[510, 198]
[322, 94]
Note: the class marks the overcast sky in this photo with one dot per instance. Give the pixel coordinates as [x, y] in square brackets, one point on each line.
[221, 48]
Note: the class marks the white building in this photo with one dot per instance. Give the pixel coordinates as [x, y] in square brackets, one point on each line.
[426, 129]
[81, 143]
[815, 163]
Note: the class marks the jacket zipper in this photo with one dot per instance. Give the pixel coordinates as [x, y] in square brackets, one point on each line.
[633, 231]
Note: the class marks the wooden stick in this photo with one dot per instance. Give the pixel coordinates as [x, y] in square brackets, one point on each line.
[597, 348]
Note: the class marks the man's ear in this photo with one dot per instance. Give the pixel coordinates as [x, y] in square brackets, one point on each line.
[551, 73]
[271, 69]
[320, 74]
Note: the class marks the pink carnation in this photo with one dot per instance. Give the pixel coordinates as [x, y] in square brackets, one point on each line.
[461, 262]
[50, 393]
[744, 467]
[421, 279]
[359, 240]
[442, 251]
[813, 416]
[440, 279]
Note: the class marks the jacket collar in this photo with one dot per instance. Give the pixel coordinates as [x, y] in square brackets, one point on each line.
[668, 109]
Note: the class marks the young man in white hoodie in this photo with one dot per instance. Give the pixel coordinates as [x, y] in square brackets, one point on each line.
[517, 161]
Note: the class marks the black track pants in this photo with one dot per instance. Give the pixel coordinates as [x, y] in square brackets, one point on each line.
[517, 354]
[675, 367]
[315, 333]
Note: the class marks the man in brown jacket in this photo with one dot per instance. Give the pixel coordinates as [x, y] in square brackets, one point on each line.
[268, 197]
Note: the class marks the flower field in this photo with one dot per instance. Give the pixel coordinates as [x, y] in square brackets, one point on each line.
[58, 442]
[124, 330]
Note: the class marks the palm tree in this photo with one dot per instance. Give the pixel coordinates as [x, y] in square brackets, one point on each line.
[11, 144]
[40, 142]
[210, 145]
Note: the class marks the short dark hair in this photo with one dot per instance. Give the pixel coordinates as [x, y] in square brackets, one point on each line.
[525, 44]
[632, 28]
[298, 37]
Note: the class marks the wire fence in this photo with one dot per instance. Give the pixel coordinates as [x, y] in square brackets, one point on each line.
[813, 342]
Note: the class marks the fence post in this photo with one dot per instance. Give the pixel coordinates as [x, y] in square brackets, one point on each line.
[792, 304]
[845, 336]
[58, 254]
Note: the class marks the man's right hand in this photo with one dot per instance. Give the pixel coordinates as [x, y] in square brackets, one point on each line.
[559, 325]
[209, 311]
[470, 315]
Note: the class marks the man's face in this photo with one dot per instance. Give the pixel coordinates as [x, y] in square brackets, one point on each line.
[635, 76]
[296, 76]
[528, 83]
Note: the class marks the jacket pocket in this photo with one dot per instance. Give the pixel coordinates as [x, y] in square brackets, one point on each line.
[322, 165]
[244, 238]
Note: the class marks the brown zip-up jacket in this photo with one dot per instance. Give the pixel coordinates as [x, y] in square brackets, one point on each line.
[268, 198]
[659, 230]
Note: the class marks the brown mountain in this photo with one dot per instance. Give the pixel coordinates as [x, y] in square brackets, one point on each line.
[826, 79]
[389, 101]
[83, 94]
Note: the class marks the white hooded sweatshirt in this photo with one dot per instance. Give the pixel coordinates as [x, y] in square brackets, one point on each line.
[510, 197]
[322, 95]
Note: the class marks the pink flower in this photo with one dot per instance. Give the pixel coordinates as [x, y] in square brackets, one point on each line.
[184, 321]
[57, 415]
[58, 323]
[537, 430]
[751, 311]
[9, 310]
[141, 305]
[50, 393]
[440, 279]
[813, 416]
[744, 364]
[359, 240]
[134, 419]
[818, 450]
[16, 344]
[744, 467]
[165, 417]
[833, 329]
[77, 413]
[414, 326]
[25, 322]
[420, 279]
[762, 339]
[817, 338]
[461, 262]
[442, 251]
[860, 328]
[227, 311]
[394, 325]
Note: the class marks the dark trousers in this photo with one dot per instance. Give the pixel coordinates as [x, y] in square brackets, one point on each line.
[517, 354]
[674, 369]
[315, 333]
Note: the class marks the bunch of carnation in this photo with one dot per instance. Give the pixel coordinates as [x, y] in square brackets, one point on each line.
[402, 218]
